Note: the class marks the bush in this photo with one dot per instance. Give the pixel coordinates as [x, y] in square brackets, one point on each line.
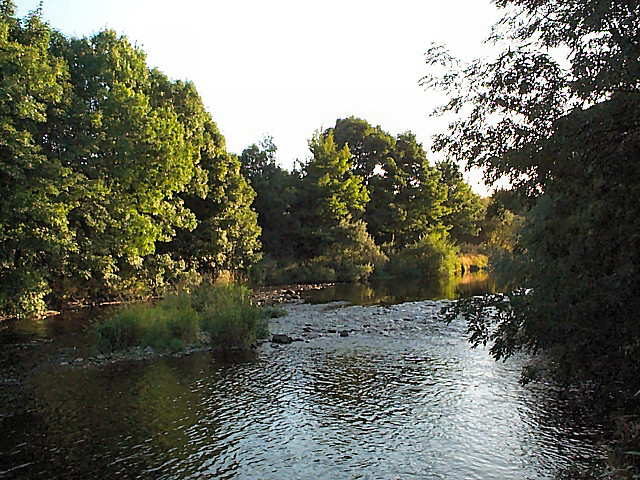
[226, 311]
[228, 314]
[470, 262]
[350, 256]
[432, 256]
[121, 331]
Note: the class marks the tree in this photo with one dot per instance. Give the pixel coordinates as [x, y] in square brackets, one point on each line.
[34, 202]
[569, 140]
[370, 147]
[276, 191]
[226, 233]
[406, 193]
[334, 245]
[464, 209]
[339, 192]
[131, 160]
[115, 180]
[419, 193]
[501, 222]
[515, 99]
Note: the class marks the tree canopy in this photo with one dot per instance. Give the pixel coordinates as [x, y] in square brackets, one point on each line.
[565, 131]
[105, 164]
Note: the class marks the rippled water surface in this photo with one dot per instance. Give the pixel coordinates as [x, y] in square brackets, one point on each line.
[401, 396]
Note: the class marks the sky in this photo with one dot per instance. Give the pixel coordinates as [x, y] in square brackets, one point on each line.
[287, 68]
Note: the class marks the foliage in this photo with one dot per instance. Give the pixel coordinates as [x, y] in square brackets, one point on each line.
[226, 311]
[170, 325]
[352, 257]
[130, 159]
[115, 180]
[328, 193]
[339, 193]
[431, 256]
[515, 99]
[568, 138]
[470, 262]
[362, 191]
[228, 314]
[407, 195]
[502, 222]
[226, 236]
[464, 210]
[276, 192]
[34, 231]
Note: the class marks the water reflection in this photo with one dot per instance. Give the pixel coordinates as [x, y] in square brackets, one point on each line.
[392, 291]
[402, 396]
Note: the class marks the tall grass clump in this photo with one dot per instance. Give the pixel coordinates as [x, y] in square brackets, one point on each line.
[472, 262]
[229, 315]
[225, 311]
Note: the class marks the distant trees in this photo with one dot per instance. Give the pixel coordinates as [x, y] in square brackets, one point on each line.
[405, 191]
[275, 202]
[115, 180]
[364, 200]
[464, 210]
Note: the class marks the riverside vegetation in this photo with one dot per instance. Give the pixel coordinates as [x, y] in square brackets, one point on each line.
[557, 112]
[224, 311]
[116, 184]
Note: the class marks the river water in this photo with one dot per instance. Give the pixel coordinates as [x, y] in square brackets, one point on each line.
[401, 396]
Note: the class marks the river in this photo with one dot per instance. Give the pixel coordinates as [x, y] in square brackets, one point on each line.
[400, 395]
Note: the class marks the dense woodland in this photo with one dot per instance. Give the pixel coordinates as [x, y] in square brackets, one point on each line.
[116, 182]
[366, 203]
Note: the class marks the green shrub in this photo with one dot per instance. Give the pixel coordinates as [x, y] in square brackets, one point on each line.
[432, 256]
[470, 262]
[225, 311]
[228, 314]
[120, 331]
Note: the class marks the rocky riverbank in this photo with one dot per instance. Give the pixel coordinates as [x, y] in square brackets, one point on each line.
[286, 293]
[303, 323]
[307, 322]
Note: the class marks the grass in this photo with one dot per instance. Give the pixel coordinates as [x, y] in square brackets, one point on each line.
[471, 262]
[224, 310]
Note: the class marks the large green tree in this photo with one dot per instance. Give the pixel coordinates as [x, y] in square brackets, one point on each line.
[407, 195]
[464, 210]
[331, 197]
[566, 134]
[340, 193]
[226, 233]
[115, 180]
[35, 237]
[131, 159]
[276, 192]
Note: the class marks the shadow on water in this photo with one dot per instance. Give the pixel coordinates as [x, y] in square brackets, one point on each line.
[394, 291]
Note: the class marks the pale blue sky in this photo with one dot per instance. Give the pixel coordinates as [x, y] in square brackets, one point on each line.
[289, 67]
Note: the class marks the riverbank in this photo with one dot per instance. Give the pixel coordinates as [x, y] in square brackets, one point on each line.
[63, 341]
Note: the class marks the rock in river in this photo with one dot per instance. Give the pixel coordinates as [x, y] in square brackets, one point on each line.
[281, 338]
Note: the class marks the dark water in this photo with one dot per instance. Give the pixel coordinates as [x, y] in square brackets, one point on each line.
[402, 396]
